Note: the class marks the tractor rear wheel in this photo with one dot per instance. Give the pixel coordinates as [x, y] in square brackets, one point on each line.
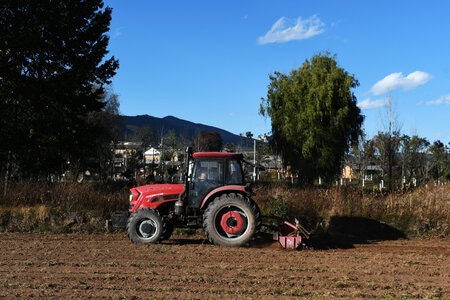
[231, 220]
[146, 226]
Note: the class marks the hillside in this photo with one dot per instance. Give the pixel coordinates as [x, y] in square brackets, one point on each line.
[184, 129]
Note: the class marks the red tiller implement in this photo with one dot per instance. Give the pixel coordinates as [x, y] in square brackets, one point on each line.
[290, 236]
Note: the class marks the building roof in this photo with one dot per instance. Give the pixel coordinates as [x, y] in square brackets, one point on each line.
[152, 151]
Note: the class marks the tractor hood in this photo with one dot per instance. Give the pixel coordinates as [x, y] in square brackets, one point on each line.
[153, 195]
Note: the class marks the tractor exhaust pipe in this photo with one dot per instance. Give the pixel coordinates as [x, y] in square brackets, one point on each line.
[179, 204]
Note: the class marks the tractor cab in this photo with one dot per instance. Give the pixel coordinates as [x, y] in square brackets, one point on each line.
[211, 170]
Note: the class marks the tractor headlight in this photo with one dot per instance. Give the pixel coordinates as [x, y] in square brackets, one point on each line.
[130, 197]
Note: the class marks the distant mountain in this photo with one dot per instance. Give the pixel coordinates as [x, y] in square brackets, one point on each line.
[183, 128]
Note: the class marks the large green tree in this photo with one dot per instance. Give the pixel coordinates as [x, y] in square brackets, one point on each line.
[314, 117]
[53, 69]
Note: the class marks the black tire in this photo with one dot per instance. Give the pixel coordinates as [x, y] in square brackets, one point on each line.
[169, 230]
[146, 226]
[231, 220]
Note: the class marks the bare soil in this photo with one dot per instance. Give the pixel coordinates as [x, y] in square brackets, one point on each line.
[109, 266]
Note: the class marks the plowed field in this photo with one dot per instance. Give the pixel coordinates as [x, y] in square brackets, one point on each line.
[109, 266]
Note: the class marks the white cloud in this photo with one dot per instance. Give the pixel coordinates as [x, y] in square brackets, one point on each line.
[397, 80]
[369, 104]
[443, 100]
[302, 29]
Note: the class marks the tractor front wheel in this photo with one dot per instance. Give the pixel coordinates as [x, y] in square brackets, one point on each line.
[146, 226]
[231, 220]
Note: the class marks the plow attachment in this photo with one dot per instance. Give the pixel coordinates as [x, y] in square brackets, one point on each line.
[290, 236]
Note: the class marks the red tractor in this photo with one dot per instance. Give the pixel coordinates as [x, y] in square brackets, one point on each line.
[214, 196]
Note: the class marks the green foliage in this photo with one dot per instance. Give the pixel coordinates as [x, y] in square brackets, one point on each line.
[53, 71]
[387, 145]
[314, 117]
[413, 156]
[440, 165]
[278, 207]
[230, 147]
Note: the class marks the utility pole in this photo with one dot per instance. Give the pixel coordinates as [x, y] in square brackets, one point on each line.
[254, 160]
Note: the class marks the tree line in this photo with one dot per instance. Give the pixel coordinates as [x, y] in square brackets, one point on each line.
[401, 161]
[317, 129]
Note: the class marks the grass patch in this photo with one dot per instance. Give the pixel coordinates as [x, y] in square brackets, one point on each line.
[420, 212]
[61, 207]
[71, 207]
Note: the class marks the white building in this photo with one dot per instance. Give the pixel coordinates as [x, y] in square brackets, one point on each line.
[152, 155]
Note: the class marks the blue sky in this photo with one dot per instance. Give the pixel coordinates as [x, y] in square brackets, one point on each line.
[209, 61]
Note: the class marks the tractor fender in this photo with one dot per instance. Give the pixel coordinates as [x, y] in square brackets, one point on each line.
[221, 190]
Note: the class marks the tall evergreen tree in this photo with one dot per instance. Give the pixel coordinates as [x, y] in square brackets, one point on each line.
[314, 117]
[53, 71]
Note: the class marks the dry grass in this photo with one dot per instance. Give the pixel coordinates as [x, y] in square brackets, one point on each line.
[68, 207]
[62, 207]
[424, 211]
